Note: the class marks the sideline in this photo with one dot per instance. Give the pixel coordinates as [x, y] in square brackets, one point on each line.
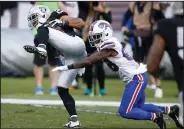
[59, 102]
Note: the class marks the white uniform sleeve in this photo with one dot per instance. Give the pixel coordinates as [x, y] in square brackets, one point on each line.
[108, 45]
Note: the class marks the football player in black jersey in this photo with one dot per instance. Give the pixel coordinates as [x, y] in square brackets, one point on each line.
[56, 29]
[169, 36]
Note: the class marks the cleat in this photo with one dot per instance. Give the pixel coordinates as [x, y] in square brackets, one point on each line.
[174, 114]
[39, 91]
[30, 49]
[160, 120]
[37, 50]
[73, 123]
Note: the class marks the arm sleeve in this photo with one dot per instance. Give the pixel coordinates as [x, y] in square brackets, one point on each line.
[157, 15]
[160, 28]
[107, 45]
[128, 14]
[57, 14]
[42, 36]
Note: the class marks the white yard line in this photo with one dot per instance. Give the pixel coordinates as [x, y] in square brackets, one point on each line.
[59, 102]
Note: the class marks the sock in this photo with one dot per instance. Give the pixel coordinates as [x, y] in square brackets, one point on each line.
[39, 85]
[88, 76]
[100, 75]
[68, 100]
[153, 116]
[137, 114]
[159, 87]
[154, 108]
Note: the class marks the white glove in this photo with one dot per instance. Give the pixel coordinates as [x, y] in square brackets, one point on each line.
[62, 68]
[81, 71]
[55, 22]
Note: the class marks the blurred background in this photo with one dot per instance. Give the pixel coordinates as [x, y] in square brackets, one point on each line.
[15, 31]
[21, 74]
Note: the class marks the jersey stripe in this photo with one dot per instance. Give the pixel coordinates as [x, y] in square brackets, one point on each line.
[108, 45]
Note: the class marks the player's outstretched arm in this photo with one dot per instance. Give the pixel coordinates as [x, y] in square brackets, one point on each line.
[155, 54]
[76, 23]
[95, 57]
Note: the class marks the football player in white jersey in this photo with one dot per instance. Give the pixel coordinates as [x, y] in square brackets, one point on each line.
[110, 50]
[56, 29]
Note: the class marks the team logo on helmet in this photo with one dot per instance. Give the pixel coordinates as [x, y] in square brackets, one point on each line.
[43, 9]
[103, 24]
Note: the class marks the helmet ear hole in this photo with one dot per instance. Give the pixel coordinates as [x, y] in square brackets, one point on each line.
[43, 16]
[107, 34]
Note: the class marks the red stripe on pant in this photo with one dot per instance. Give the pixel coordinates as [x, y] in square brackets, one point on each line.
[136, 92]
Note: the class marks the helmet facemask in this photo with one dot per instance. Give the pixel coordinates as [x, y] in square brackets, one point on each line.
[38, 15]
[33, 20]
[95, 39]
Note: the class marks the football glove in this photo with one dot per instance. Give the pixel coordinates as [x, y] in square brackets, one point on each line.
[57, 22]
[61, 68]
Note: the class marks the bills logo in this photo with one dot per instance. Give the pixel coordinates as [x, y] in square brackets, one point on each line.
[104, 25]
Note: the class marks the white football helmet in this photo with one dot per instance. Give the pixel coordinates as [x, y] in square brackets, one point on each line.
[100, 31]
[38, 15]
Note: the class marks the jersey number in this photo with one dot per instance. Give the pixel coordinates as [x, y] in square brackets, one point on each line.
[111, 65]
[180, 41]
[59, 11]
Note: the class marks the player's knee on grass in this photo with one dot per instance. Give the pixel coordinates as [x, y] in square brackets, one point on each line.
[122, 111]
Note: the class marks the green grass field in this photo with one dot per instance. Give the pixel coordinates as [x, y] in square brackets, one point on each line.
[27, 116]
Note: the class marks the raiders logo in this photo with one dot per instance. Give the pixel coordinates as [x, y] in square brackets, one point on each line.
[43, 9]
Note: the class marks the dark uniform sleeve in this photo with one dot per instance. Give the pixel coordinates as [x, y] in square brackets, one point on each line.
[161, 28]
[57, 14]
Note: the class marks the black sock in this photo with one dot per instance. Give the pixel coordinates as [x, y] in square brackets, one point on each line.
[68, 100]
[100, 75]
[88, 76]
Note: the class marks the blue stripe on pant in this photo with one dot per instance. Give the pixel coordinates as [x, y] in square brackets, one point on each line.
[132, 104]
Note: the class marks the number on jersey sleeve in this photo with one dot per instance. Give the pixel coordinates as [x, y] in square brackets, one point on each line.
[57, 14]
[111, 65]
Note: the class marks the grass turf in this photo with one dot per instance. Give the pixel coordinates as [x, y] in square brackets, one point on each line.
[25, 116]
